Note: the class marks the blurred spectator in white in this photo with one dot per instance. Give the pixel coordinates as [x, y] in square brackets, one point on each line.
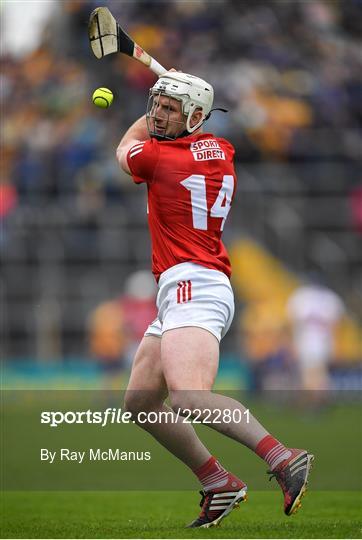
[314, 312]
[116, 326]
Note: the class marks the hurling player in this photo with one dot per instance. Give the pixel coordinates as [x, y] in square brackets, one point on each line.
[191, 184]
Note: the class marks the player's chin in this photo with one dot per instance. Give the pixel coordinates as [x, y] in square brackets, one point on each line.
[160, 133]
[158, 129]
[163, 133]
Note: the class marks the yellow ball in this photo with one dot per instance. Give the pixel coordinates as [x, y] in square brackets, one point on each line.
[102, 97]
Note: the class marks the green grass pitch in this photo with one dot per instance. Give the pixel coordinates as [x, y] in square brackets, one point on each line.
[159, 514]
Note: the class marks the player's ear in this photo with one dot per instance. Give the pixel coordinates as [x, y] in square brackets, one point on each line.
[196, 117]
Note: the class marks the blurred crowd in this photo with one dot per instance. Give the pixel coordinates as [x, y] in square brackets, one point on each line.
[288, 71]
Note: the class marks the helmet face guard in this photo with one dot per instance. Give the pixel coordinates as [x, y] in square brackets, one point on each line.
[193, 93]
[153, 119]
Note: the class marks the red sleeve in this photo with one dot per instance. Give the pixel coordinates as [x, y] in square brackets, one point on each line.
[142, 159]
[229, 148]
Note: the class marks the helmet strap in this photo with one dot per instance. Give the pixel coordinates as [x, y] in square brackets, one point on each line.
[216, 109]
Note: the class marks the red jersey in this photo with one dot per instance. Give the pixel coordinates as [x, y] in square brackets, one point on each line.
[191, 184]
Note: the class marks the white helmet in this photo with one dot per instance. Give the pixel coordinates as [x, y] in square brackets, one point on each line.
[193, 92]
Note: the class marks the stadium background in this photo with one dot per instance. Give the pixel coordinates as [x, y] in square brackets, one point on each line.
[73, 227]
[74, 233]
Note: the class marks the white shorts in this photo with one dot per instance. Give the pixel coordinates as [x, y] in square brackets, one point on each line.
[192, 295]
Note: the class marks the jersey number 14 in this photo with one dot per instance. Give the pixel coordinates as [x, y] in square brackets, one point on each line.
[197, 186]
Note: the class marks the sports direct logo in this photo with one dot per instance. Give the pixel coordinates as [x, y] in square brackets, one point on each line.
[207, 149]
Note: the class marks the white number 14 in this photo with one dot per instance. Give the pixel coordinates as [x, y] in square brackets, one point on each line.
[197, 186]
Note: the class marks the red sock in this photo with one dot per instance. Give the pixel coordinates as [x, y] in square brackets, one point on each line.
[212, 475]
[272, 451]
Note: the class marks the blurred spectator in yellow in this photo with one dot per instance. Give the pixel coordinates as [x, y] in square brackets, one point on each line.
[107, 340]
[280, 116]
[264, 344]
[314, 312]
[116, 326]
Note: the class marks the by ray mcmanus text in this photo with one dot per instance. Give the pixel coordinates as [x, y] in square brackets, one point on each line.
[92, 454]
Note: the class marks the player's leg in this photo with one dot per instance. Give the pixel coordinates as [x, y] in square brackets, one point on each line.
[147, 391]
[222, 491]
[190, 357]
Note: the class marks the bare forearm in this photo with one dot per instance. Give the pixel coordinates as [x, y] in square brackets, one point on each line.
[136, 133]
